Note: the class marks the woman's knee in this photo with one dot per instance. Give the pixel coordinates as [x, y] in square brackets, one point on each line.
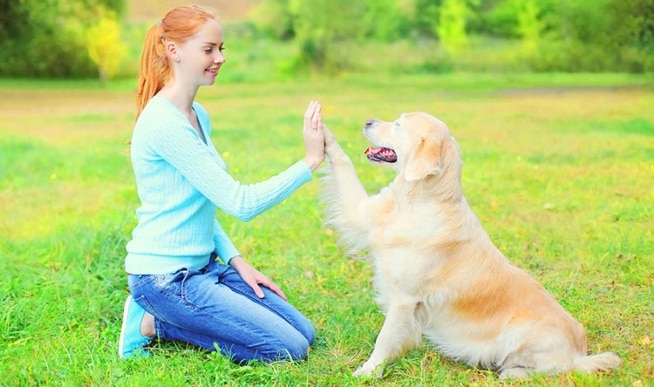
[292, 350]
[309, 332]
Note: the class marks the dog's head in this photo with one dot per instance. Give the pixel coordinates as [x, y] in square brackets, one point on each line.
[416, 145]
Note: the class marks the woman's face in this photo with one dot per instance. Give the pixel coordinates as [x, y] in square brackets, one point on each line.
[201, 56]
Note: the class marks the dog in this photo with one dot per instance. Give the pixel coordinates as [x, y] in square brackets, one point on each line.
[436, 271]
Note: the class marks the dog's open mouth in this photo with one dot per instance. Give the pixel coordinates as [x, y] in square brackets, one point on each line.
[382, 154]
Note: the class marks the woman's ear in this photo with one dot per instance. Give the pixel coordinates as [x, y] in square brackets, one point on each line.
[172, 50]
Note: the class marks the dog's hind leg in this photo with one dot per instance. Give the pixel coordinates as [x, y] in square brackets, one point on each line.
[591, 363]
[401, 331]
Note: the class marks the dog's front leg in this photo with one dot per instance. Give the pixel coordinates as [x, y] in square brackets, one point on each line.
[344, 195]
[343, 174]
[401, 331]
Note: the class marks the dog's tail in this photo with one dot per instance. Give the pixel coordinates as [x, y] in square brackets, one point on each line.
[601, 362]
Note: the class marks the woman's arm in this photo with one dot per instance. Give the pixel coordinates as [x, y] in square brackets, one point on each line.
[182, 148]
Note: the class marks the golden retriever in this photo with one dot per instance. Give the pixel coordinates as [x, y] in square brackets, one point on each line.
[436, 270]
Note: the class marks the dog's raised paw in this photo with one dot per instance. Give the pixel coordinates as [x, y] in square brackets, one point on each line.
[329, 136]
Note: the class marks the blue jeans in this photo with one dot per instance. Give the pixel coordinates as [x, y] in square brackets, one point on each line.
[213, 307]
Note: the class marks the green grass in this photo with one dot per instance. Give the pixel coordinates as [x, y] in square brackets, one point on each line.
[559, 168]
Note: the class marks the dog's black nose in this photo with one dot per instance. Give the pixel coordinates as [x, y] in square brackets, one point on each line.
[369, 122]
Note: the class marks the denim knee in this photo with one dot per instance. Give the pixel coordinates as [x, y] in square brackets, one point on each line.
[291, 351]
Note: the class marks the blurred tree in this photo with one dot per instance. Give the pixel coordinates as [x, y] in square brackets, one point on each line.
[52, 37]
[13, 20]
[317, 27]
[425, 16]
[46, 38]
[596, 35]
[274, 18]
[561, 35]
[104, 46]
[385, 20]
[321, 24]
[325, 30]
[451, 26]
[530, 28]
[500, 20]
[632, 32]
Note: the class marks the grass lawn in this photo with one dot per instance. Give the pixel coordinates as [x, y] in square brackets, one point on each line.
[559, 168]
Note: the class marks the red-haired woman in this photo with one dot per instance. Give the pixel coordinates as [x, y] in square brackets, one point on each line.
[188, 282]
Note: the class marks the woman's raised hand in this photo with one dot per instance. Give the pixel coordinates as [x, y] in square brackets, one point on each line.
[314, 136]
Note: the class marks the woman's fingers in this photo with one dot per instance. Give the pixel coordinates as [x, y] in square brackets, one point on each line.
[313, 116]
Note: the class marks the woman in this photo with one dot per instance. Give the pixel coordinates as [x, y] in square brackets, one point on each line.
[187, 280]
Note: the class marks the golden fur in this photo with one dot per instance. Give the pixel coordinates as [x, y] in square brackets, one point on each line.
[436, 271]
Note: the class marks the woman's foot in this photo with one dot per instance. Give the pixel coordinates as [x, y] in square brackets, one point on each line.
[132, 341]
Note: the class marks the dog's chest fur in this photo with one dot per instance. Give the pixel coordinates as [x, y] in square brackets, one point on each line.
[403, 234]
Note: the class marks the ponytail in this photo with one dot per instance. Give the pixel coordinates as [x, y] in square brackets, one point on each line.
[178, 25]
[155, 68]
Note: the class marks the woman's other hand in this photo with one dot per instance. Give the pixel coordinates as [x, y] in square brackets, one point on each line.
[254, 277]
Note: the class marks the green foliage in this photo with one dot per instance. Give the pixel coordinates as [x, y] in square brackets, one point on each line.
[451, 26]
[500, 20]
[386, 20]
[580, 21]
[279, 19]
[325, 30]
[274, 18]
[550, 32]
[633, 33]
[636, 25]
[318, 28]
[530, 27]
[47, 38]
[425, 15]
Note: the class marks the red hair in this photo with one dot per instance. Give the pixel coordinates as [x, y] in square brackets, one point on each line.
[179, 24]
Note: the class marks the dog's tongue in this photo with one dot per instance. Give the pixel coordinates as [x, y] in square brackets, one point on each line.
[371, 151]
[381, 154]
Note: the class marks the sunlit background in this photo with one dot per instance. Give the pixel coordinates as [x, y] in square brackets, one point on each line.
[282, 38]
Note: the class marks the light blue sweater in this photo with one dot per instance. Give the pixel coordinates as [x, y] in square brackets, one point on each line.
[181, 181]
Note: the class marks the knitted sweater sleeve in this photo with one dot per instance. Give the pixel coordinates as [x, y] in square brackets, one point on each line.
[179, 145]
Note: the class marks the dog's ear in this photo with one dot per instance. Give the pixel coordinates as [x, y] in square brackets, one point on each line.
[425, 160]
